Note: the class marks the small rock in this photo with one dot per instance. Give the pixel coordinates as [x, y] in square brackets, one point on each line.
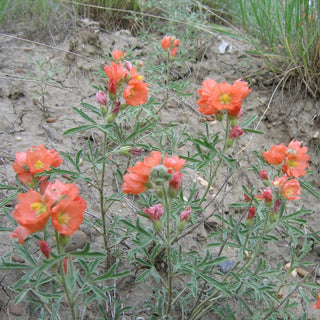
[77, 241]
[226, 266]
[16, 258]
[316, 135]
[16, 309]
[303, 130]
[50, 120]
[18, 138]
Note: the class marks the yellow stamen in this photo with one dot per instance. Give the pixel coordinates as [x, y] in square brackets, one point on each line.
[63, 218]
[139, 78]
[39, 164]
[39, 207]
[292, 163]
[225, 98]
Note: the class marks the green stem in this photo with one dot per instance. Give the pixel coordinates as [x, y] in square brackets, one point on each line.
[169, 63]
[63, 279]
[166, 204]
[101, 199]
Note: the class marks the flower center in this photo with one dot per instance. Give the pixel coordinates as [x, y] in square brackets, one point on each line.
[292, 163]
[39, 164]
[225, 98]
[39, 207]
[63, 218]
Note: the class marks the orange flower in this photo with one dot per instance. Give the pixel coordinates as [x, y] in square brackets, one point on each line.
[205, 102]
[67, 215]
[21, 233]
[136, 93]
[174, 163]
[137, 179]
[279, 182]
[296, 160]
[115, 72]
[21, 168]
[291, 190]
[276, 154]
[32, 212]
[216, 97]
[166, 41]
[118, 54]
[243, 86]
[226, 96]
[58, 190]
[134, 183]
[316, 305]
[169, 42]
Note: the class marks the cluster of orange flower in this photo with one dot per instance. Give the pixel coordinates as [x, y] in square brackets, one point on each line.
[136, 91]
[58, 200]
[137, 180]
[293, 161]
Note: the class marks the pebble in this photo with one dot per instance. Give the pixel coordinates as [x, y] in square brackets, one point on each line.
[316, 135]
[16, 309]
[18, 138]
[226, 266]
[78, 241]
[16, 258]
[50, 120]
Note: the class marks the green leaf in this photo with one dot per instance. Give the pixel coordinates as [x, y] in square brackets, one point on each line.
[228, 160]
[6, 187]
[15, 266]
[238, 205]
[253, 130]
[79, 129]
[308, 188]
[84, 115]
[143, 275]
[86, 253]
[110, 275]
[92, 108]
[9, 199]
[249, 121]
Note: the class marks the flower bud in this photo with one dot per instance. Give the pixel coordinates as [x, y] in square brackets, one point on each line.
[159, 174]
[176, 181]
[45, 249]
[277, 205]
[101, 98]
[252, 212]
[267, 195]
[155, 212]
[235, 132]
[184, 215]
[263, 174]
[128, 65]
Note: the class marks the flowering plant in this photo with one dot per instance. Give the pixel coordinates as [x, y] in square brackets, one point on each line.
[223, 274]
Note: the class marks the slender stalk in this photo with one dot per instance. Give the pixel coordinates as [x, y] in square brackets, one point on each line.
[169, 63]
[101, 199]
[63, 279]
[166, 203]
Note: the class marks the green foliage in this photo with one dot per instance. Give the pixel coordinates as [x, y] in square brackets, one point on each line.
[290, 43]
